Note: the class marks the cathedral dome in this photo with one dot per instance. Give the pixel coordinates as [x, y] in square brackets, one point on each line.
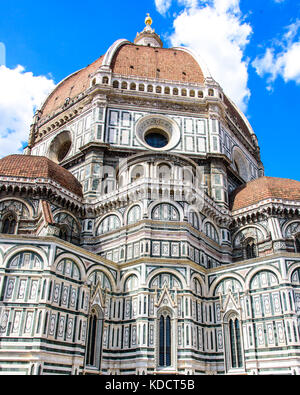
[265, 188]
[70, 87]
[149, 75]
[168, 64]
[34, 167]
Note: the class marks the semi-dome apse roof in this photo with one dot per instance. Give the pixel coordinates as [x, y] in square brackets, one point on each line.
[34, 167]
[265, 188]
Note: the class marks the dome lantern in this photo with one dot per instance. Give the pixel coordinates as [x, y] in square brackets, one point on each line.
[148, 20]
[148, 37]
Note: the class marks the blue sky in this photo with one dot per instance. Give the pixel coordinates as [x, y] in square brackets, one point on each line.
[252, 48]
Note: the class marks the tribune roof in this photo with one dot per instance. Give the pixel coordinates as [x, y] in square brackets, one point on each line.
[34, 167]
[265, 188]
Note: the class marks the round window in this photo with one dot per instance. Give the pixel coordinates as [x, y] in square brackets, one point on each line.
[60, 147]
[157, 132]
[156, 138]
[63, 150]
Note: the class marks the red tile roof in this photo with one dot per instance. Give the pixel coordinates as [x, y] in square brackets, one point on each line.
[264, 188]
[161, 63]
[39, 167]
[70, 87]
[130, 60]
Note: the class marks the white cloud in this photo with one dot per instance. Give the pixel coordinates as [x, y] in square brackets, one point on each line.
[282, 58]
[215, 30]
[163, 6]
[20, 94]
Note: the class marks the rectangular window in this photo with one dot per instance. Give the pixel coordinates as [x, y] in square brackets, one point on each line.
[99, 132]
[101, 113]
[215, 144]
[217, 179]
[95, 184]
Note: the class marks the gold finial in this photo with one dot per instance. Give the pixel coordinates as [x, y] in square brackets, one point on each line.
[148, 20]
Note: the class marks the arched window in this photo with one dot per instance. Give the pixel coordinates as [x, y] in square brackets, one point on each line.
[63, 233]
[94, 345]
[209, 264]
[166, 279]
[109, 224]
[98, 277]
[165, 343]
[164, 173]
[193, 219]
[137, 172]
[188, 176]
[90, 226]
[26, 260]
[131, 284]
[124, 85]
[69, 269]
[134, 215]
[250, 249]
[69, 227]
[133, 86]
[211, 232]
[165, 212]
[236, 359]
[197, 287]
[105, 80]
[116, 84]
[9, 225]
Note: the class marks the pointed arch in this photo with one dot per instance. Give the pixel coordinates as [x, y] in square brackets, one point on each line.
[9, 223]
[166, 331]
[95, 338]
[234, 354]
